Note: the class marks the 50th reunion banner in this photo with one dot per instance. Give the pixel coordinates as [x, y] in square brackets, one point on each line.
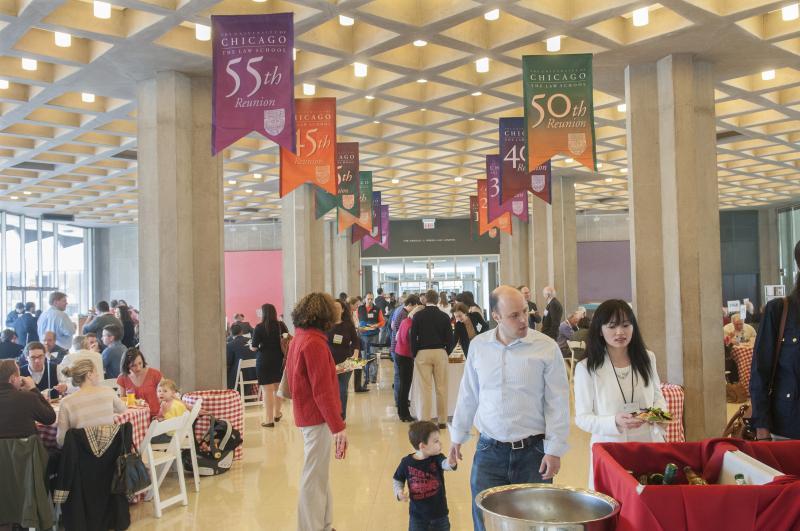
[253, 90]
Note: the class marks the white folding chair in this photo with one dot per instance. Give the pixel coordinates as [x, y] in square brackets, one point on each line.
[241, 383]
[572, 346]
[155, 459]
[187, 442]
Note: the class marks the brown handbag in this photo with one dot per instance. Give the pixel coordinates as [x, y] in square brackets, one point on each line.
[740, 426]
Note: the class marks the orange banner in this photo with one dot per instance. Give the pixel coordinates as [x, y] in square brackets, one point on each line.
[503, 222]
[315, 161]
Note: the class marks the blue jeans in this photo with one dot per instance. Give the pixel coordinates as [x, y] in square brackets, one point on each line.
[344, 382]
[371, 370]
[497, 464]
[437, 524]
[396, 384]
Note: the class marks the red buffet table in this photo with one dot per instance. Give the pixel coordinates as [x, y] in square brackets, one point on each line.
[687, 507]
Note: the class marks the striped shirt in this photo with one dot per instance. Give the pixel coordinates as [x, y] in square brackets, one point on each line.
[87, 408]
[514, 391]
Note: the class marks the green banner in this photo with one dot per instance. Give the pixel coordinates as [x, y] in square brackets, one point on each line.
[559, 110]
[346, 183]
[364, 219]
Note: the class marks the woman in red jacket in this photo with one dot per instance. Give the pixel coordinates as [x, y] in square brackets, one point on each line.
[311, 376]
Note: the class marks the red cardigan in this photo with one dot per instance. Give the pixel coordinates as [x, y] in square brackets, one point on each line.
[312, 380]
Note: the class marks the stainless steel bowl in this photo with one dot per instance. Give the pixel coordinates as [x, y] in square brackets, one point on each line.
[543, 507]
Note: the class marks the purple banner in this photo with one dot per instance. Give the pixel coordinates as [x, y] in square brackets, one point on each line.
[359, 233]
[517, 205]
[368, 241]
[253, 86]
[514, 174]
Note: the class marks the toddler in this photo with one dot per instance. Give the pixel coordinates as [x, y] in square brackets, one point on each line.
[424, 472]
[171, 405]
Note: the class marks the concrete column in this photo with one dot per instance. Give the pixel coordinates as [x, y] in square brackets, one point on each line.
[644, 193]
[541, 235]
[768, 248]
[182, 328]
[691, 240]
[347, 260]
[514, 254]
[565, 245]
[303, 247]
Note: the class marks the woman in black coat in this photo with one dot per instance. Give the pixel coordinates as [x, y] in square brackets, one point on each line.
[269, 361]
[778, 413]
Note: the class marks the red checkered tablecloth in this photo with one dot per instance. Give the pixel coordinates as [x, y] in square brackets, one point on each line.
[673, 394]
[223, 404]
[139, 417]
[743, 356]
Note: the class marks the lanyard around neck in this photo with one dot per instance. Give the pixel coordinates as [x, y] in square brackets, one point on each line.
[624, 399]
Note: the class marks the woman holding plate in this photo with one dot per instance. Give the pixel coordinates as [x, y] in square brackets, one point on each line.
[616, 381]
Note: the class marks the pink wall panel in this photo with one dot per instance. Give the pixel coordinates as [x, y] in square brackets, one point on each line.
[604, 271]
[252, 278]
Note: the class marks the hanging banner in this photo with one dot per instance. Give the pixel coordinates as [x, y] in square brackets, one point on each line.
[346, 183]
[368, 241]
[514, 174]
[484, 225]
[315, 161]
[364, 219]
[517, 205]
[359, 232]
[474, 217]
[559, 110]
[253, 79]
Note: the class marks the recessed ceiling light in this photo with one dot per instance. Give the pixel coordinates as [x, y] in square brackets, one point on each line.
[249, 191]
[457, 179]
[309, 89]
[359, 70]
[87, 97]
[494, 14]
[344, 20]
[623, 170]
[257, 176]
[569, 160]
[395, 181]
[63, 40]
[202, 32]
[554, 43]
[768, 75]
[423, 109]
[622, 107]
[101, 9]
[369, 97]
[29, 64]
[13, 197]
[471, 118]
[599, 165]
[231, 181]
[477, 93]
[26, 192]
[482, 65]
[422, 80]
[376, 121]
[259, 1]
[609, 179]
[641, 17]
[419, 43]
[3, 84]
[790, 12]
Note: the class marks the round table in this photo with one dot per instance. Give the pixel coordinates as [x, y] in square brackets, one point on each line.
[139, 417]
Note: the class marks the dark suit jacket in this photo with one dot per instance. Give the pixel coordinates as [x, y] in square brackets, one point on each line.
[551, 321]
[532, 319]
[238, 349]
[49, 378]
[25, 328]
[10, 350]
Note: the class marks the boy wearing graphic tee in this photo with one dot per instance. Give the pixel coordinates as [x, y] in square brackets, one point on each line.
[424, 472]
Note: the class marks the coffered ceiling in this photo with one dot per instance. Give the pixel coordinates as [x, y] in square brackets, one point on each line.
[423, 115]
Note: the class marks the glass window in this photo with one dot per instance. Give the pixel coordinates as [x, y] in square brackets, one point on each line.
[72, 279]
[13, 263]
[48, 269]
[31, 258]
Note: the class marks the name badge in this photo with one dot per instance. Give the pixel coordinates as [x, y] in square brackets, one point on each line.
[545, 313]
[480, 327]
[630, 408]
[371, 315]
[337, 339]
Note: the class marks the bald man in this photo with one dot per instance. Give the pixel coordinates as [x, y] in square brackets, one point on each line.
[515, 391]
[553, 313]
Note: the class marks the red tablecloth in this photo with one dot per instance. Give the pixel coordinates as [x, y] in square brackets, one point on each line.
[223, 404]
[743, 356]
[139, 417]
[673, 394]
[687, 507]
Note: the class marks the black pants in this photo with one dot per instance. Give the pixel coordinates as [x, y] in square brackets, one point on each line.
[406, 367]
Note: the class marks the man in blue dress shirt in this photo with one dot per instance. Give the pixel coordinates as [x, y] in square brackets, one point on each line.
[515, 392]
[56, 320]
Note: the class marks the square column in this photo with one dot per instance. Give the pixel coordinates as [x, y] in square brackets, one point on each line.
[768, 249]
[565, 244]
[515, 254]
[181, 272]
[541, 235]
[303, 248]
[342, 262]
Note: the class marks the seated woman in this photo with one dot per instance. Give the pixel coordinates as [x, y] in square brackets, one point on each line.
[139, 379]
[92, 405]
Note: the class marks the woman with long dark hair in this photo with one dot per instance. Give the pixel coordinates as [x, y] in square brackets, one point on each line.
[128, 326]
[775, 374]
[617, 379]
[269, 361]
[344, 343]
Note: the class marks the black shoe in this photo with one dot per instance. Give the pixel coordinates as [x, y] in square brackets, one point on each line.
[408, 419]
[267, 424]
[362, 390]
[279, 417]
[442, 426]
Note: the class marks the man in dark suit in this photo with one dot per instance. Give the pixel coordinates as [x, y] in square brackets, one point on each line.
[43, 372]
[237, 349]
[25, 326]
[9, 349]
[12, 316]
[431, 341]
[553, 313]
[533, 312]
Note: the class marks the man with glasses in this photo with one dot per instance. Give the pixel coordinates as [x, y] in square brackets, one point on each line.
[42, 371]
[515, 390]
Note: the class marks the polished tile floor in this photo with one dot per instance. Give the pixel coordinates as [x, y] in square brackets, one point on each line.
[260, 492]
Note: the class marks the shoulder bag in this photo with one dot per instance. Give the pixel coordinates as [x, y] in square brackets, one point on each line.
[130, 474]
